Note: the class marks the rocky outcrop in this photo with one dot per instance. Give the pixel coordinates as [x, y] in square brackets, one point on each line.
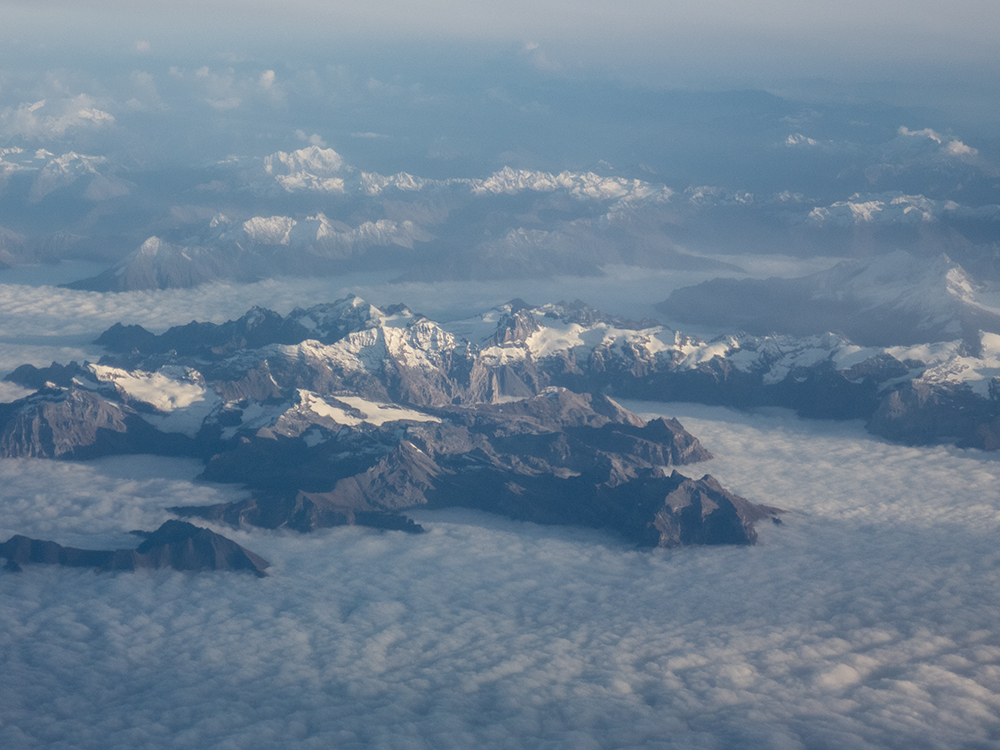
[515, 326]
[703, 512]
[80, 424]
[558, 458]
[258, 327]
[176, 544]
[922, 413]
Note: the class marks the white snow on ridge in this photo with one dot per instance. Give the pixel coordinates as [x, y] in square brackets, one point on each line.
[323, 170]
[418, 345]
[167, 389]
[312, 402]
[273, 230]
[374, 184]
[378, 414]
[476, 329]
[949, 365]
[311, 168]
[894, 208]
[178, 393]
[62, 171]
[588, 185]
[585, 186]
[936, 290]
[313, 410]
[370, 411]
[555, 338]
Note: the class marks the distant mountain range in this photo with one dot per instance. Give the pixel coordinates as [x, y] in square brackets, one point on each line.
[308, 212]
[183, 382]
[888, 300]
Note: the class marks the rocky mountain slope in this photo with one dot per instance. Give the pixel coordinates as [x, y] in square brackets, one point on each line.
[346, 413]
[890, 300]
[176, 544]
[281, 374]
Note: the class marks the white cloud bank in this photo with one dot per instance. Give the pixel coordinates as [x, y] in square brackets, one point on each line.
[950, 147]
[866, 621]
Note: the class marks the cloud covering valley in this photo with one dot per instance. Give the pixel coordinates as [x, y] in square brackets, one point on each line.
[866, 620]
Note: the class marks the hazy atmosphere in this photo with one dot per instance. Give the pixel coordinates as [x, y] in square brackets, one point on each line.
[458, 374]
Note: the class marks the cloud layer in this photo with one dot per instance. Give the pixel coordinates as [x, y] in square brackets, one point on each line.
[866, 620]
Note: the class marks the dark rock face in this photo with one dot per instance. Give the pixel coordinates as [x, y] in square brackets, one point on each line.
[182, 546]
[515, 326]
[557, 458]
[256, 328]
[19, 550]
[42, 377]
[79, 424]
[921, 414]
[703, 512]
[259, 327]
[176, 544]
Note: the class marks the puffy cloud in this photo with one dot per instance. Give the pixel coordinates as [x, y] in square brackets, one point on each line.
[797, 139]
[145, 95]
[957, 148]
[924, 133]
[226, 89]
[223, 105]
[312, 140]
[952, 147]
[538, 58]
[11, 392]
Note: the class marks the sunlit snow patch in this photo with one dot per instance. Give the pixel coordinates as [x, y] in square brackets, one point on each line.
[178, 393]
[377, 414]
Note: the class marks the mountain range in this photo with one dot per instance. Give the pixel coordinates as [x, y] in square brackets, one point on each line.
[347, 413]
[308, 212]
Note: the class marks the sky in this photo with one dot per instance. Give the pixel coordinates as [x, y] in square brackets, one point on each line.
[727, 36]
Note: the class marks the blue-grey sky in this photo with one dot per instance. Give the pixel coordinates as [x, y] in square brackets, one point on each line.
[834, 38]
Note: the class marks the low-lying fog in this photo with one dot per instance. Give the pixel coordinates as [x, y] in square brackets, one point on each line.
[866, 620]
